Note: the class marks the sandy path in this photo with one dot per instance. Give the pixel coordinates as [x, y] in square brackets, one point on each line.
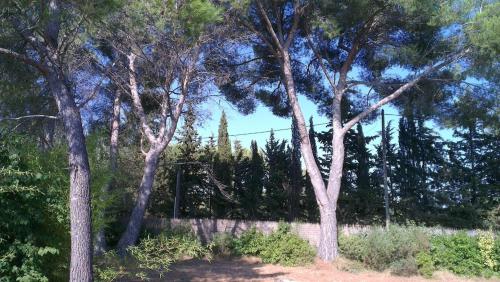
[250, 269]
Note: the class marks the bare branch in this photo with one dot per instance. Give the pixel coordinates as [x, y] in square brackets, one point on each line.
[296, 17]
[25, 60]
[269, 26]
[401, 90]
[28, 117]
[331, 81]
[134, 92]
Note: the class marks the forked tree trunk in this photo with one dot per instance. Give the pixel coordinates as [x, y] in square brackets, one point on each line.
[79, 171]
[328, 249]
[100, 242]
[131, 234]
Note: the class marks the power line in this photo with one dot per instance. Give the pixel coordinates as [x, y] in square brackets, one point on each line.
[281, 129]
[264, 131]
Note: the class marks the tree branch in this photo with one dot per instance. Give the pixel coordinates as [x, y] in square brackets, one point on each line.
[134, 92]
[401, 90]
[28, 117]
[296, 17]
[25, 60]
[269, 26]
[331, 81]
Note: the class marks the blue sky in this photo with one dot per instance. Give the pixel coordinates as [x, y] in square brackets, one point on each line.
[264, 120]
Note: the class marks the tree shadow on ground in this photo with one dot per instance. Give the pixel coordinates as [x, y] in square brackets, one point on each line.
[227, 269]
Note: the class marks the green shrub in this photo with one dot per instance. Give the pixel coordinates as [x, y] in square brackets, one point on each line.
[353, 247]
[158, 252]
[223, 244]
[280, 247]
[405, 267]
[381, 249]
[486, 242]
[34, 219]
[286, 248]
[457, 253]
[251, 242]
[496, 255]
[425, 264]
[108, 267]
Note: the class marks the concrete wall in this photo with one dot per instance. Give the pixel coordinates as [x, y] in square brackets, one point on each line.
[205, 228]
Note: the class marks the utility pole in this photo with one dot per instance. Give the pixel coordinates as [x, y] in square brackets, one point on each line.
[384, 170]
[177, 192]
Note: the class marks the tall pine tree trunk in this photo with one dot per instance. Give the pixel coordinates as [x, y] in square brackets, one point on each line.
[131, 234]
[100, 242]
[328, 247]
[79, 195]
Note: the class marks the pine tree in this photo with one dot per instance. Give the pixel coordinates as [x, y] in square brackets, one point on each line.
[346, 210]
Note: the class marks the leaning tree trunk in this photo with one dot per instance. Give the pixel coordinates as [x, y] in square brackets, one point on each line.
[79, 171]
[100, 242]
[131, 234]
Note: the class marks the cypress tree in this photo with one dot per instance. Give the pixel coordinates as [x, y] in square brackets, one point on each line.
[276, 180]
[310, 207]
[391, 156]
[191, 197]
[223, 169]
[252, 200]
[241, 170]
[367, 197]
[223, 142]
[419, 164]
[295, 174]
[208, 157]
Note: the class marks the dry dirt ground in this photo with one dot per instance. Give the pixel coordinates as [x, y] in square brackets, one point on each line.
[251, 269]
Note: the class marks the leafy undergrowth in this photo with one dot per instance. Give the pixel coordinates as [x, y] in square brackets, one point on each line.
[409, 250]
[281, 247]
[152, 256]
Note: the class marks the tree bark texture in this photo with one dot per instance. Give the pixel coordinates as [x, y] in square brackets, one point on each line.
[327, 206]
[80, 211]
[131, 234]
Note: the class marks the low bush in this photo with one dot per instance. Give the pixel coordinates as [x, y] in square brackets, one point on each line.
[409, 250]
[425, 264]
[158, 252]
[405, 267]
[223, 244]
[280, 247]
[251, 242]
[286, 248]
[381, 249]
[465, 255]
[108, 267]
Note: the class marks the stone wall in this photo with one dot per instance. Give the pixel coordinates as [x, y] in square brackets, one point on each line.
[205, 228]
